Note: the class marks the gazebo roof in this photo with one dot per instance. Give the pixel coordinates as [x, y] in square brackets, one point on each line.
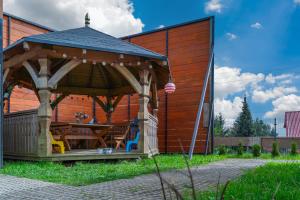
[90, 39]
[82, 61]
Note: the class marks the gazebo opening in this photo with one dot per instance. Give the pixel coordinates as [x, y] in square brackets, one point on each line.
[89, 63]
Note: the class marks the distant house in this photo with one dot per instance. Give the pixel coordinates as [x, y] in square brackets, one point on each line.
[292, 123]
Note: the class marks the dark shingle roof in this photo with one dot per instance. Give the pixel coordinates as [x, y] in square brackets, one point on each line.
[88, 38]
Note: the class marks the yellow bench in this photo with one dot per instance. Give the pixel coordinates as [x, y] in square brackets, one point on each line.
[60, 144]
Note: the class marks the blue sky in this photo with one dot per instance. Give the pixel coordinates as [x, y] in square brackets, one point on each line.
[257, 43]
[258, 37]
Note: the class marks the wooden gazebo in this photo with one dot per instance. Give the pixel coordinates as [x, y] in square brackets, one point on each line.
[79, 61]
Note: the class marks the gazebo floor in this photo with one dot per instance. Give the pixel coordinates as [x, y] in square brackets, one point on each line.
[81, 154]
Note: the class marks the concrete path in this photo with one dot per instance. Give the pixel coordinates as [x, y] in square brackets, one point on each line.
[141, 187]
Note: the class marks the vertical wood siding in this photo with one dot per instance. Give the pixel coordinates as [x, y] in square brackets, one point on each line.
[21, 133]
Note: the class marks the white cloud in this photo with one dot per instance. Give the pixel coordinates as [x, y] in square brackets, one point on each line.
[161, 26]
[230, 80]
[260, 96]
[283, 78]
[256, 25]
[213, 6]
[114, 17]
[231, 36]
[297, 2]
[283, 104]
[229, 109]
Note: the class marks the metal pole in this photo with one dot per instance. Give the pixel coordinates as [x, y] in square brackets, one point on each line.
[275, 124]
[1, 81]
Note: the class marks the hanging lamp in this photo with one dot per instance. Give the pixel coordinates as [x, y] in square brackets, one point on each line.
[170, 87]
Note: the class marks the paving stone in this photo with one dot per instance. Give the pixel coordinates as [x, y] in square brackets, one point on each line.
[141, 187]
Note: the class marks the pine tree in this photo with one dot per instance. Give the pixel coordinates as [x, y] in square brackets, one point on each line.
[260, 128]
[219, 123]
[243, 124]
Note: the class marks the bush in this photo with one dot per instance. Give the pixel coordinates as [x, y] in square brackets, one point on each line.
[275, 149]
[240, 149]
[256, 150]
[294, 149]
[222, 150]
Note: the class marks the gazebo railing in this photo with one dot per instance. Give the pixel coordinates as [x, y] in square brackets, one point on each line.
[152, 134]
[20, 134]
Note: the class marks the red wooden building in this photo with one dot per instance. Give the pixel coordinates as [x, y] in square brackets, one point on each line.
[292, 123]
[188, 46]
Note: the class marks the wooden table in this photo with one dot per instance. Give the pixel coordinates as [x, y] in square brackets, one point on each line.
[65, 131]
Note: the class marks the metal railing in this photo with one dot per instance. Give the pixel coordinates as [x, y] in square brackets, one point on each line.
[152, 134]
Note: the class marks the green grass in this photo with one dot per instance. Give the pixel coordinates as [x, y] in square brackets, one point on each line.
[266, 156]
[261, 184]
[84, 173]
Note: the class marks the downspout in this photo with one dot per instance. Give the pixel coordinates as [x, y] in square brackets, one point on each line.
[210, 131]
[128, 100]
[212, 28]
[8, 43]
[166, 98]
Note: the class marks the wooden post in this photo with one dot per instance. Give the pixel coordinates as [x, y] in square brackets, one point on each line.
[44, 110]
[143, 114]
[1, 81]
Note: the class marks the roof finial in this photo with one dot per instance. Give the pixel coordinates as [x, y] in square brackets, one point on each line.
[87, 20]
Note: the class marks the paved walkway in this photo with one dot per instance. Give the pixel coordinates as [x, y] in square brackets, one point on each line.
[141, 187]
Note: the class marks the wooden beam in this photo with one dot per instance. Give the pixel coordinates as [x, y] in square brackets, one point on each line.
[18, 59]
[62, 72]
[154, 96]
[113, 74]
[33, 73]
[5, 74]
[82, 91]
[129, 77]
[100, 103]
[94, 91]
[90, 81]
[58, 100]
[102, 73]
[117, 101]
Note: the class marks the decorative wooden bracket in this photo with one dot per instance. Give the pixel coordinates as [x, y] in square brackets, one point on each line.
[64, 70]
[129, 77]
[58, 100]
[33, 73]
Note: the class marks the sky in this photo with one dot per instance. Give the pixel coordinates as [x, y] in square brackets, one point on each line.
[257, 43]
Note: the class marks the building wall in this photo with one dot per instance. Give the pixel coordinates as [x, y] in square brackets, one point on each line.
[187, 47]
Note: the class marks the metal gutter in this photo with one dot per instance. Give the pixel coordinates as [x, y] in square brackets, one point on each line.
[168, 27]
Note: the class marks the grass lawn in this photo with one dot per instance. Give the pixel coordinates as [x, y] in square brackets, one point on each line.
[266, 156]
[84, 173]
[261, 183]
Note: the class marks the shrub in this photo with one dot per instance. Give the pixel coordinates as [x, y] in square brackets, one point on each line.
[256, 150]
[222, 150]
[275, 149]
[294, 149]
[240, 149]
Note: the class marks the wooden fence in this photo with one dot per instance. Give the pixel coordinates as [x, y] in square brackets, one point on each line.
[152, 134]
[284, 143]
[20, 134]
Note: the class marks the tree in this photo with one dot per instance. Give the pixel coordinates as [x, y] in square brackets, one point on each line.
[273, 133]
[219, 123]
[260, 128]
[243, 124]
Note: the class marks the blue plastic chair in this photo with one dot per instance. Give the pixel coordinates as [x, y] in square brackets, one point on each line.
[130, 143]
